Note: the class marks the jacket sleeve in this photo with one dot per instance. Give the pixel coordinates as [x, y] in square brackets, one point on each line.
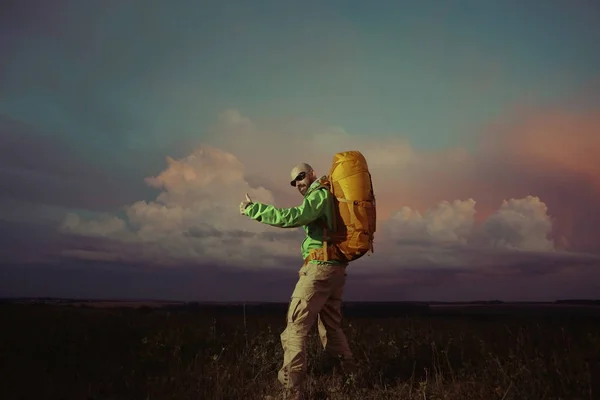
[313, 207]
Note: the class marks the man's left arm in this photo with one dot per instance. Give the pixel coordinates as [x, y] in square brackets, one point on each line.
[311, 209]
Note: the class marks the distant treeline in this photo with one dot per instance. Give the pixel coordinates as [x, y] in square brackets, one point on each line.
[580, 302]
[350, 306]
[350, 309]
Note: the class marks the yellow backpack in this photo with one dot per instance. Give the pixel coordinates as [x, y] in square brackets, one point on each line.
[354, 212]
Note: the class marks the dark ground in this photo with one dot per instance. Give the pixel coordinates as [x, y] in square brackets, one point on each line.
[189, 351]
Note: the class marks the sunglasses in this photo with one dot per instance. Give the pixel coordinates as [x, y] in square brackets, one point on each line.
[298, 178]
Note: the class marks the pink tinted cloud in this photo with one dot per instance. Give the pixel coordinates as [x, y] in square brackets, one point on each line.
[556, 141]
[442, 209]
[549, 154]
[555, 155]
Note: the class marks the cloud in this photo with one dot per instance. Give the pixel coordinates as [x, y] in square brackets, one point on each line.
[520, 224]
[447, 217]
[554, 140]
[195, 218]
[551, 154]
[104, 226]
[451, 222]
[547, 154]
[269, 148]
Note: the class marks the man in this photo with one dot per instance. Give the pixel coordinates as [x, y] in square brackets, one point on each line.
[318, 292]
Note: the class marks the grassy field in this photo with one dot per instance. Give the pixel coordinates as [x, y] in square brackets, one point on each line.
[68, 352]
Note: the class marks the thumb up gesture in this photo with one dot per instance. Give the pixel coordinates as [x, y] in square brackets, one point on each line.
[245, 204]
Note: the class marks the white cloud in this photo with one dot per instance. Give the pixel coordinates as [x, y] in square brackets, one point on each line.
[195, 217]
[448, 222]
[522, 224]
[104, 226]
[519, 224]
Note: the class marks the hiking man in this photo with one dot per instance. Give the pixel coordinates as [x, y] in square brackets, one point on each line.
[317, 296]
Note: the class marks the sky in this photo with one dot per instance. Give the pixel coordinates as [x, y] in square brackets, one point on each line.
[131, 131]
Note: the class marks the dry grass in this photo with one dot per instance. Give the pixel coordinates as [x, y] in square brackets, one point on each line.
[82, 353]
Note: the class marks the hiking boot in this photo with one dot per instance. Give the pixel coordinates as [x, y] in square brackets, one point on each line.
[286, 394]
[349, 366]
[293, 395]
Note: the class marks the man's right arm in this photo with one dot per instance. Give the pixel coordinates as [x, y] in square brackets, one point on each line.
[311, 209]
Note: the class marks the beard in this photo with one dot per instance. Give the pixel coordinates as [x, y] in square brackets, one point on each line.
[303, 185]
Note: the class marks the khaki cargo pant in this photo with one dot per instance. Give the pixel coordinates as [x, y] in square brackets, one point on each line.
[317, 297]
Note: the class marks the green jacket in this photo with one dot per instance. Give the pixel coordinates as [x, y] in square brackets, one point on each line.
[315, 207]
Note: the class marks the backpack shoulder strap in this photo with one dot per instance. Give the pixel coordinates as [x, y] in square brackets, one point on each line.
[323, 184]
